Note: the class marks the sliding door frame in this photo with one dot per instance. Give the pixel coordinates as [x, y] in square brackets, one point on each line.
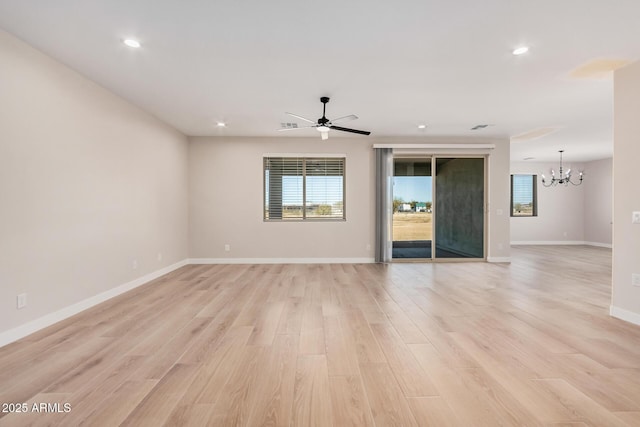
[485, 205]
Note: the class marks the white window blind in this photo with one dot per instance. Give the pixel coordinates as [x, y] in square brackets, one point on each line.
[524, 195]
[300, 188]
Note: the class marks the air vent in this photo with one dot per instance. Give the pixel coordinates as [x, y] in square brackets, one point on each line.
[476, 127]
[289, 125]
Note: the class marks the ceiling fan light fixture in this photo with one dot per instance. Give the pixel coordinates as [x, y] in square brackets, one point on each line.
[324, 125]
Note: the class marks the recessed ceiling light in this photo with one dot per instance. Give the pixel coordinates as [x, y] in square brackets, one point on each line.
[528, 158]
[422, 126]
[221, 124]
[521, 50]
[132, 43]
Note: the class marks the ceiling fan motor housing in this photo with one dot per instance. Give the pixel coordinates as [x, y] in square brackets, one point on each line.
[323, 120]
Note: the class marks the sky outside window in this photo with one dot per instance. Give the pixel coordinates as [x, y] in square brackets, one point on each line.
[412, 188]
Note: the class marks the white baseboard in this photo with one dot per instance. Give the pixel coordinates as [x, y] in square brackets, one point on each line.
[498, 259]
[28, 328]
[600, 245]
[548, 242]
[281, 260]
[561, 242]
[626, 315]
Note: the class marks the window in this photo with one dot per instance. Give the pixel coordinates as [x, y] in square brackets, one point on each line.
[524, 195]
[304, 188]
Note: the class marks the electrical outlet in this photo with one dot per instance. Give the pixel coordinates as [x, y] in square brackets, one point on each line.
[159, 256]
[134, 264]
[21, 301]
[635, 279]
[635, 218]
[227, 247]
[368, 247]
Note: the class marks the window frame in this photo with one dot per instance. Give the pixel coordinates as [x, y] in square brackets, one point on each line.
[534, 196]
[304, 158]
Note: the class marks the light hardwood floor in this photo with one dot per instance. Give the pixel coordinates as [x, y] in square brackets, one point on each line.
[460, 344]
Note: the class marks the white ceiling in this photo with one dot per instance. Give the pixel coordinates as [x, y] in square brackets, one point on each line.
[447, 64]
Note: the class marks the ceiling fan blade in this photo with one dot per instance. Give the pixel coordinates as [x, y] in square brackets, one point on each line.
[324, 135]
[300, 127]
[361, 132]
[345, 118]
[301, 118]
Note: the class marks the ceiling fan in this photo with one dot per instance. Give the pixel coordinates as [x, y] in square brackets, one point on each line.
[324, 125]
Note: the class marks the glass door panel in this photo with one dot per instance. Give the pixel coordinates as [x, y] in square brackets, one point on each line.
[412, 209]
[459, 208]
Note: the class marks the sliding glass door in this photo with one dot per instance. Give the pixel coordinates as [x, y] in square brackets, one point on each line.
[438, 208]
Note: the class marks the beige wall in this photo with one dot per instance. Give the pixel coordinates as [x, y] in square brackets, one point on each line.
[226, 202]
[568, 214]
[598, 202]
[626, 192]
[499, 227]
[560, 209]
[88, 183]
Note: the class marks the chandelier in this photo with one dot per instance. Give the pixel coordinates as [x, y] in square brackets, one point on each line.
[564, 178]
